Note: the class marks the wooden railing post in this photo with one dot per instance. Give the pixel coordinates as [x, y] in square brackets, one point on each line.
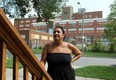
[43, 77]
[2, 60]
[25, 73]
[15, 67]
[33, 77]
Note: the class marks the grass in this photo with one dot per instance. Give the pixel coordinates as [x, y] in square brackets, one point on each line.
[86, 54]
[101, 72]
[37, 50]
[9, 64]
[99, 54]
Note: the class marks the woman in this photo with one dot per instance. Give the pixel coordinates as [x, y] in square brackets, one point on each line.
[58, 55]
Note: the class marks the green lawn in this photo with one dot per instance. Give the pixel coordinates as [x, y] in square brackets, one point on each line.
[9, 64]
[86, 54]
[99, 54]
[101, 72]
[37, 50]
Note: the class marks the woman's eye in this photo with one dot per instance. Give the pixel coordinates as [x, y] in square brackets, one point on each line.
[57, 31]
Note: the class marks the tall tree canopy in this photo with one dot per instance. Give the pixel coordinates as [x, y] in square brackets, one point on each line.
[110, 28]
[43, 8]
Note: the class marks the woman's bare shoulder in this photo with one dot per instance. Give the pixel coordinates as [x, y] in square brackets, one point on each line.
[49, 43]
[69, 45]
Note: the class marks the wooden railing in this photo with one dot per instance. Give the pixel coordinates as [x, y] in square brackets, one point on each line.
[10, 39]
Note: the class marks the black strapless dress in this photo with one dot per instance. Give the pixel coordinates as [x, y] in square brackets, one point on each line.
[59, 67]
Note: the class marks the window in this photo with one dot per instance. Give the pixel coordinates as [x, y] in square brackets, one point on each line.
[27, 21]
[85, 16]
[20, 25]
[23, 36]
[90, 16]
[27, 25]
[72, 29]
[21, 21]
[65, 12]
[33, 20]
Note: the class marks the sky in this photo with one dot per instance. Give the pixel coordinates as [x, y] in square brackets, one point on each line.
[92, 5]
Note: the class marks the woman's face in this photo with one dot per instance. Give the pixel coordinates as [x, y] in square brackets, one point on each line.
[58, 34]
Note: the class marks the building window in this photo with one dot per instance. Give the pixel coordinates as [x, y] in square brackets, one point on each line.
[87, 28]
[91, 23]
[20, 25]
[90, 16]
[100, 23]
[65, 12]
[72, 29]
[100, 30]
[85, 16]
[34, 20]
[23, 36]
[27, 25]
[27, 21]
[63, 25]
[21, 21]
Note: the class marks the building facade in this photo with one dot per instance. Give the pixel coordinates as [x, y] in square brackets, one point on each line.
[34, 38]
[93, 28]
[72, 23]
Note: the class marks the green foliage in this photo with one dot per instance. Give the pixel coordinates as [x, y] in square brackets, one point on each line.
[99, 54]
[72, 42]
[38, 50]
[112, 15]
[16, 8]
[43, 8]
[23, 6]
[110, 28]
[9, 64]
[96, 45]
[112, 47]
[101, 72]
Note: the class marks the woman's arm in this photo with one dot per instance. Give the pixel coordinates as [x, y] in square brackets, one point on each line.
[44, 55]
[77, 53]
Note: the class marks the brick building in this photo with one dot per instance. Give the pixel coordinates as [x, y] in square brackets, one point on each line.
[93, 28]
[35, 38]
[72, 23]
[33, 34]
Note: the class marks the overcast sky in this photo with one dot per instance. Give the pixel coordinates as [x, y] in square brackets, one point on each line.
[92, 5]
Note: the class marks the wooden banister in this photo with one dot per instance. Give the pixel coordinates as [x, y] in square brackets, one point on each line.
[2, 60]
[10, 39]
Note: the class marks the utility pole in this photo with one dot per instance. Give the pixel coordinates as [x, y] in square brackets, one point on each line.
[82, 11]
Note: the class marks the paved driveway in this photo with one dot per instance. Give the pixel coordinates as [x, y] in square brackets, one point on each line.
[87, 61]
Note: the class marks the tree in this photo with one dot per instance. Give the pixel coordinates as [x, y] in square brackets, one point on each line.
[44, 8]
[15, 8]
[110, 28]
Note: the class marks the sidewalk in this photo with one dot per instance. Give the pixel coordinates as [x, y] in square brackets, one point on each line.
[9, 76]
[82, 78]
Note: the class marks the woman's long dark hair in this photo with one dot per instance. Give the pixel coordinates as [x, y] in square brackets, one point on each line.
[62, 31]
